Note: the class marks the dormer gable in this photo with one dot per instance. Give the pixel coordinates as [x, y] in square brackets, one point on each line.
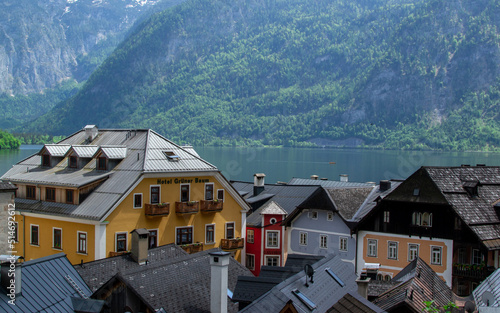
[107, 157]
[52, 154]
[80, 155]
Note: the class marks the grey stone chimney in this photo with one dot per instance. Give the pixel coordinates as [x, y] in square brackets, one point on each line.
[363, 286]
[10, 275]
[90, 132]
[219, 264]
[385, 185]
[139, 250]
[258, 183]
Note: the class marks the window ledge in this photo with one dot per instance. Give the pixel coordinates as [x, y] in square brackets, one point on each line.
[81, 253]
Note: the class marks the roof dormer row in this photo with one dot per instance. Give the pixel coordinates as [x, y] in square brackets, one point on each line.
[80, 155]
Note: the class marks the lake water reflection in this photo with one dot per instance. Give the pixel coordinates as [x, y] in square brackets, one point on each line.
[281, 164]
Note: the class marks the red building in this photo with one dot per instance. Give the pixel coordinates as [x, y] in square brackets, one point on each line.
[265, 237]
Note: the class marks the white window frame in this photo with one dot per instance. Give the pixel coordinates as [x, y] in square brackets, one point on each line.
[329, 216]
[387, 216]
[31, 235]
[180, 192]
[151, 194]
[415, 245]
[16, 232]
[472, 256]
[157, 237]
[303, 238]
[78, 242]
[272, 257]
[205, 191]
[375, 241]
[323, 245]
[234, 230]
[277, 232]
[392, 250]
[54, 237]
[116, 240]
[250, 257]
[223, 195]
[250, 237]
[313, 215]
[133, 201]
[440, 255]
[209, 242]
[343, 247]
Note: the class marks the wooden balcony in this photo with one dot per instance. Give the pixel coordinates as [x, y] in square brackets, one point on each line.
[232, 244]
[193, 247]
[190, 207]
[159, 209]
[113, 253]
[471, 271]
[208, 206]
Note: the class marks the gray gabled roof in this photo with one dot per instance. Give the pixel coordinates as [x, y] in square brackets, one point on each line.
[323, 293]
[139, 151]
[328, 183]
[371, 200]
[83, 151]
[56, 150]
[48, 285]
[488, 291]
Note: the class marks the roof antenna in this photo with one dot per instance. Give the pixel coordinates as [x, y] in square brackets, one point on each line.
[308, 269]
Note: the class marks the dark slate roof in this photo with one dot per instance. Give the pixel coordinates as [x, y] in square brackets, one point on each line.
[349, 200]
[180, 283]
[47, 286]
[250, 288]
[300, 260]
[324, 292]
[143, 152]
[4, 187]
[489, 289]
[378, 287]
[81, 305]
[371, 200]
[418, 283]
[99, 272]
[328, 183]
[287, 197]
[354, 303]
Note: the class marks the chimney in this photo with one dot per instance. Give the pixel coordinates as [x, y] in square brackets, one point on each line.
[363, 286]
[139, 251]
[219, 264]
[385, 185]
[314, 177]
[10, 275]
[258, 183]
[344, 177]
[90, 132]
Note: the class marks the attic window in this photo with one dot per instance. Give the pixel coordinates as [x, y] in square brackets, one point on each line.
[471, 187]
[72, 161]
[416, 192]
[335, 277]
[46, 160]
[302, 297]
[101, 163]
[171, 156]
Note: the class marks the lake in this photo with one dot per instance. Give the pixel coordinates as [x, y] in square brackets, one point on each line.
[282, 164]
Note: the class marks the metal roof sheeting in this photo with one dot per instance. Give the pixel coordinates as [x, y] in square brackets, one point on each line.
[84, 151]
[56, 150]
[491, 285]
[46, 287]
[327, 183]
[114, 152]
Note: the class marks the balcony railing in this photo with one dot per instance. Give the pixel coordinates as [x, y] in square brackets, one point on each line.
[193, 247]
[231, 244]
[190, 207]
[159, 209]
[471, 271]
[208, 206]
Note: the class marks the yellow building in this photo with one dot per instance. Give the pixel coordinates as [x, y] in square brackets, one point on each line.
[84, 195]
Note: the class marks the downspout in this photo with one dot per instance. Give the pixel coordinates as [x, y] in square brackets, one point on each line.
[24, 235]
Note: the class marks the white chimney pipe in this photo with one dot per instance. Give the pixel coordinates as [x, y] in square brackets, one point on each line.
[219, 264]
[344, 177]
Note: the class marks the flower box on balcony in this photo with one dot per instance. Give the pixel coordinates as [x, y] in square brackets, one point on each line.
[113, 253]
[231, 244]
[190, 207]
[208, 206]
[193, 247]
[159, 209]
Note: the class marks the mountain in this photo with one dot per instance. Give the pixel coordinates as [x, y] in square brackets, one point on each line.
[387, 73]
[47, 47]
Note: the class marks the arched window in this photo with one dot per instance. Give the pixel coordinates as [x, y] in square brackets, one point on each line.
[387, 277]
[380, 277]
[426, 219]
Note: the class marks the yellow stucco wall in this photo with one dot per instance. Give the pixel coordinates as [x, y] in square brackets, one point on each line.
[45, 246]
[126, 218]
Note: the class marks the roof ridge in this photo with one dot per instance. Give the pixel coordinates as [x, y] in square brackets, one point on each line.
[44, 259]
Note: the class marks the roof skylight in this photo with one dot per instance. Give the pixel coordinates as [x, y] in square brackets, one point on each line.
[335, 277]
[171, 156]
[302, 297]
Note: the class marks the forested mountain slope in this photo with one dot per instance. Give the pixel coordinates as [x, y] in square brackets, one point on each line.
[398, 74]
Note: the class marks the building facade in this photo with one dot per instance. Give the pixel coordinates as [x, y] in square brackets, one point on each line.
[84, 195]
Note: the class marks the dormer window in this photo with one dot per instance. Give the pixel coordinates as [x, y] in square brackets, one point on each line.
[46, 160]
[101, 163]
[171, 156]
[471, 187]
[73, 161]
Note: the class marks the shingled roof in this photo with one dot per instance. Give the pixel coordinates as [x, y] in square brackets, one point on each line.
[418, 283]
[354, 303]
[171, 280]
[139, 152]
